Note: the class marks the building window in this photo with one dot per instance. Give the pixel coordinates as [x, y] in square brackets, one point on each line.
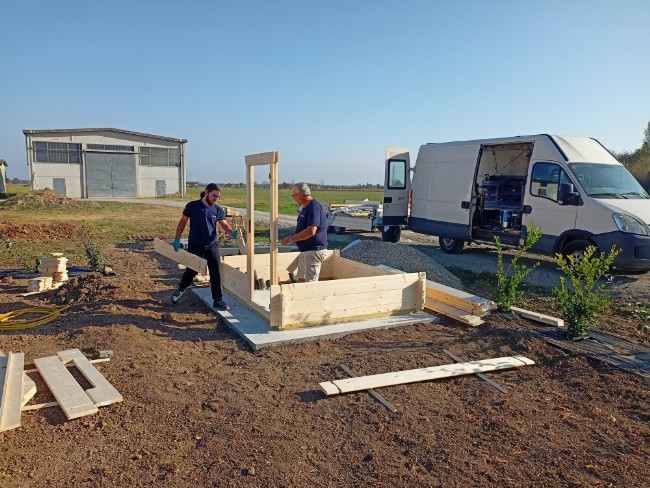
[57, 152]
[109, 147]
[160, 156]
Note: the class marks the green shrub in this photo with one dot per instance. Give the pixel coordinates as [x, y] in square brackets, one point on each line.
[93, 251]
[508, 291]
[586, 297]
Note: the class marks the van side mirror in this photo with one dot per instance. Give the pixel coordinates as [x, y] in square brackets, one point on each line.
[567, 195]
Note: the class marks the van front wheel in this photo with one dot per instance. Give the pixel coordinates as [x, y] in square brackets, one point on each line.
[450, 246]
[577, 250]
[391, 233]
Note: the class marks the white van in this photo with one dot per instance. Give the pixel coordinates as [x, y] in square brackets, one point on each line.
[572, 188]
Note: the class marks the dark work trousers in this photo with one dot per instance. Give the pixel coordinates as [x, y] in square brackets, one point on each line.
[211, 254]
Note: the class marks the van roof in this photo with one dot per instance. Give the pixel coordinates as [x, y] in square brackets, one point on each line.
[572, 148]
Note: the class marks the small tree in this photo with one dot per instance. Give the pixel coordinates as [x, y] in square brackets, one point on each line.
[508, 291]
[585, 298]
[93, 251]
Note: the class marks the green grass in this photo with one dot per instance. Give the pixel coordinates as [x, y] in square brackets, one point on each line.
[111, 223]
[236, 197]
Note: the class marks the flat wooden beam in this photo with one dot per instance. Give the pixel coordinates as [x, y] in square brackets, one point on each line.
[424, 374]
[72, 398]
[371, 392]
[261, 159]
[103, 392]
[181, 256]
[452, 312]
[481, 376]
[539, 317]
[11, 389]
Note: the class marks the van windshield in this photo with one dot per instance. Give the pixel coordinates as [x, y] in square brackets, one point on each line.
[607, 181]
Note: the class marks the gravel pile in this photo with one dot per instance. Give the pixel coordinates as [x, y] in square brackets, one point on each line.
[400, 257]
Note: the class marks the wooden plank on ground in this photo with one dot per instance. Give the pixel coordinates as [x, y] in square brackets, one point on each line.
[539, 317]
[73, 400]
[181, 256]
[481, 376]
[29, 389]
[452, 312]
[11, 387]
[423, 374]
[103, 392]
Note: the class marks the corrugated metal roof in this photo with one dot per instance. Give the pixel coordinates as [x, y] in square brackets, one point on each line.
[105, 129]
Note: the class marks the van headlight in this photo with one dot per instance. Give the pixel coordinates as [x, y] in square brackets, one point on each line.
[629, 224]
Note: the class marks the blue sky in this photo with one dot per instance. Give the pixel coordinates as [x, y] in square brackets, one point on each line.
[328, 84]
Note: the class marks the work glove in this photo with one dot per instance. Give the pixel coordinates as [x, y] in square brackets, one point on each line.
[177, 244]
[233, 233]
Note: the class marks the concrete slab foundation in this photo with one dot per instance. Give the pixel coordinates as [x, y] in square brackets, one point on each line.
[258, 333]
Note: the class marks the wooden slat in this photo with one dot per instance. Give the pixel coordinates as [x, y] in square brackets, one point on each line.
[261, 158]
[103, 392]
[424, 374]
[29, 386]
[479, 375]
[539, 317]
[452, 312]
[181, 256]
[11, 386]
[29, 389]
[73, 400]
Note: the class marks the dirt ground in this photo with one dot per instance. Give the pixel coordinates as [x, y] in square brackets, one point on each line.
[201, 409]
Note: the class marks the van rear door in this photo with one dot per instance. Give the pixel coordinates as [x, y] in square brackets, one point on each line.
[397, 186]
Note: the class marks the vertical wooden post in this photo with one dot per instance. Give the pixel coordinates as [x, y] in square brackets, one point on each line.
[262, 159]
[250, 230]
[273, 177]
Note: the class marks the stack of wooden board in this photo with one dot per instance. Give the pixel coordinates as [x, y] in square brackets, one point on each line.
[457, 304]
[453, 303]
[54, 270]
[18, 389]
[38, 284]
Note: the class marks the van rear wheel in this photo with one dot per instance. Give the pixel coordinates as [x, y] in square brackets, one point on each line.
[391, 233]
[450, 246]
[339, 230]
[577, 250]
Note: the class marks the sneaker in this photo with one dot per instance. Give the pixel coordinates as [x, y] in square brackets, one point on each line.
[221, 305]
[177, 295]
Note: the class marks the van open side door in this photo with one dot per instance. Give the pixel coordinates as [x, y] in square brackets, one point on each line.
[397, 186]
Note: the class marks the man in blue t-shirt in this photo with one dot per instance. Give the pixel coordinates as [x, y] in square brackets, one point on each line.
[203, 215]
[311, 233]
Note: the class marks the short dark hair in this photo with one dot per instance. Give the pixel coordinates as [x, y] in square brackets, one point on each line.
[209, 188]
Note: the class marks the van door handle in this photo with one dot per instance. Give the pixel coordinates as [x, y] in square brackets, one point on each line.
[464, 205]
[388, 199]
[527, 209]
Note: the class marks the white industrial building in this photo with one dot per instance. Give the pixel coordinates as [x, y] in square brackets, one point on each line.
[93, 163]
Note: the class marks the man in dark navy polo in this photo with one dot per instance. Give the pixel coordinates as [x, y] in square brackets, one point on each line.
[204, 215]
[311, 233]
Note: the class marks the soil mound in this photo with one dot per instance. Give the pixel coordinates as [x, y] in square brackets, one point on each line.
[45, 198]
[39, 232]
[89, 288]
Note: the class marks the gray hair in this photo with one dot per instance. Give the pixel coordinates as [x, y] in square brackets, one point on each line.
[303, 188]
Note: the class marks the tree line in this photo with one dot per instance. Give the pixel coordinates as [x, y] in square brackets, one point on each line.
[638, 161]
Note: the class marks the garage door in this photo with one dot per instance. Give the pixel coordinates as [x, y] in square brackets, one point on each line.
[110, 175]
